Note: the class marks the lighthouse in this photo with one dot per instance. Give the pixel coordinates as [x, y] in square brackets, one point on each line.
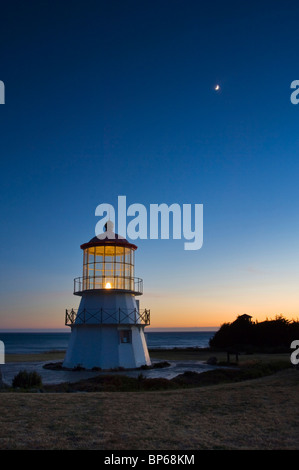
[107, 330]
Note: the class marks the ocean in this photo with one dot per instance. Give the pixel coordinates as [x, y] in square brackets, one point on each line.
[22, 343]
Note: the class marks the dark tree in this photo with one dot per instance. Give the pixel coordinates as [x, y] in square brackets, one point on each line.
[245, 334]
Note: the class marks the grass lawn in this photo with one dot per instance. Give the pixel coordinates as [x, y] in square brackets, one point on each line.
[259, 413]
[47, 356]
[204, 355]
[254, 414]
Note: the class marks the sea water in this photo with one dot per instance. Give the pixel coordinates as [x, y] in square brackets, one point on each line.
[41, 342]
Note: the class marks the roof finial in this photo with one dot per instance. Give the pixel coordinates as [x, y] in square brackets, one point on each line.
[109, 226]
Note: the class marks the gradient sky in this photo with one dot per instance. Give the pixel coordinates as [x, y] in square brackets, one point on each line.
[108, 98]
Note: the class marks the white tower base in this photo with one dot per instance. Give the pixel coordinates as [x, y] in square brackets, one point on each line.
[107, 347]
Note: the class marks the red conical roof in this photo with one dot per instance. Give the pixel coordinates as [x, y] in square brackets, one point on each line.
[108, 238]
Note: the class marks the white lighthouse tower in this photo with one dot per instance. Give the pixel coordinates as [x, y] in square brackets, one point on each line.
[107, 330]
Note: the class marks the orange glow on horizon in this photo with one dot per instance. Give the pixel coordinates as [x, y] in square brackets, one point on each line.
[168, 310]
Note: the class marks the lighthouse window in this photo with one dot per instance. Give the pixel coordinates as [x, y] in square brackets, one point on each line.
[127, 270]
[99, 267]
[111, 266]
[91, 255]
[118, 269]
[125, 336]
[109, 252]
[128, 256]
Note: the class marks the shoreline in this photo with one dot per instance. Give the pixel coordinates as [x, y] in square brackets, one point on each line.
[179, 353]
[174, 354]
[33, 357]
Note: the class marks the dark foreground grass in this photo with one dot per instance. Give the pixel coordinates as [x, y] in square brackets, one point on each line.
[252, 405]
[123, 383]
[260, 413]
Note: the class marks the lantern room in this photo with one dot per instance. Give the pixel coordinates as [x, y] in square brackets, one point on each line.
[108, 267]
[108, 264]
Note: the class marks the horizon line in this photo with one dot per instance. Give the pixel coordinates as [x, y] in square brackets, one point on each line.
[148, 329]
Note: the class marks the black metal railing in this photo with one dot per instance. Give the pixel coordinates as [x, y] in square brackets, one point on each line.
[107, 283]
[119, 316]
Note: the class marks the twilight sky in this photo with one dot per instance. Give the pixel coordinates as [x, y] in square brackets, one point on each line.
[109, 98]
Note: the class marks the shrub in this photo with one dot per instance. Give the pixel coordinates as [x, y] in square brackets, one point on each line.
[26, 379]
